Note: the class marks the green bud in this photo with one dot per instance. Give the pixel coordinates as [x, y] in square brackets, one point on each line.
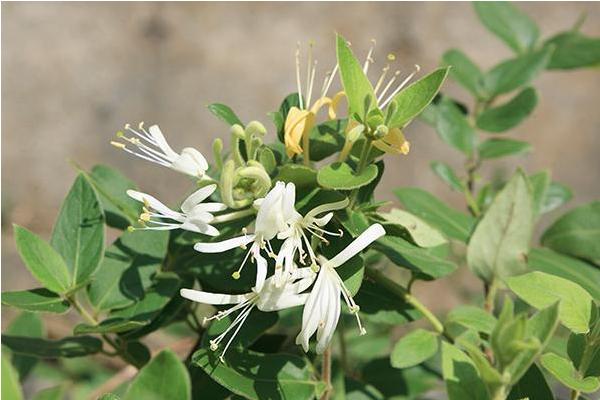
[227, 182]
[238, 132]
[255, 128]
[380, 132]
[355, 133]
[218, 153]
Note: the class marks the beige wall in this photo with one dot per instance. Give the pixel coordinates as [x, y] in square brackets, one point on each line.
[74, 73]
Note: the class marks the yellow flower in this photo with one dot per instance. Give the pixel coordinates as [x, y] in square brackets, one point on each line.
[393, 143]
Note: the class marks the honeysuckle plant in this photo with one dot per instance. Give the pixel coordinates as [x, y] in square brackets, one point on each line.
[251, 287]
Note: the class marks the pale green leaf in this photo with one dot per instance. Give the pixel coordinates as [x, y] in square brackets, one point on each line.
[10, 381]
[464, 71]
[37, 300]
[574, 50]
[563, 370]
[421, 233]
[452, 126]
[340, 176]
[447, 174]
[510, 24]
[414, 348]
[462, 378]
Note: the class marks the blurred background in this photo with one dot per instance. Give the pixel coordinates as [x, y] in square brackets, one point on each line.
[73, 74]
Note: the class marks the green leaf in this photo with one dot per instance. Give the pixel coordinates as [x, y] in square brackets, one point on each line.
[126, 270]
[510, 24]
[44, 263]
[577, 271]
[409, 383]
[340, 176]
[473, 318]
[514, 73]
[43, 348]
[427, 207]
[462, 378]
[541, 290]
[421, 233]
[300, 175]
[10, 381]
[539, 186]
[500, 242]
[563, 370]
[447, 174]
[499, 147]
[120, 210]
[29, 325]
[414, 348]
[556, 195]
[53, 393]
[267, 159]
[109, 396]
[37, 300]
[224, 113]
[452, 126]
[508, 115]
[406, 255]
[356, 85]
[413, 100]
[327, 139]
[464, 71]
[111, 325]
[78, 235]
[381, 306]
[163, 378]
[532, 385]
[573, 50]
[576, 233]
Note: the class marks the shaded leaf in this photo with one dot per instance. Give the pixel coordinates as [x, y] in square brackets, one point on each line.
[326, 139]
[447, 174]
[452, 126]
[462, 378]
[573, 50]
[29, 325]
[381, 306]
[532, 385]
[43, 348]
[38, 300]
[52, 393]
[556, 195]
[298, 174]
[464, 71]
[473, 318]
[421, 233]
[10, 381]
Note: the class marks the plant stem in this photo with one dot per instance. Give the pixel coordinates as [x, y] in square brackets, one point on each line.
[232, 216]
[306, 148]
[343, 348]
[82, 311]
[490, 291]
[574, 394]
[362, 163]
[326, 373]
[401, 292]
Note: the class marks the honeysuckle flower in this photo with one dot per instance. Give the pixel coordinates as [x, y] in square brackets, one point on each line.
[195, 215]
[270, 297]
[300, 120]
[295, 237]
[152, 146]
[270, 220]
[322, 309]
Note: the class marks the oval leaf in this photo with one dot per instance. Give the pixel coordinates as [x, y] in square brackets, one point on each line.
[422, 234]
[340, 176]
[563, 370]
[43, 348]
[224, 113]
[496, 148]
[414, 348]
[464, 71]
[40, 300]
[452, 126]
[510, 114]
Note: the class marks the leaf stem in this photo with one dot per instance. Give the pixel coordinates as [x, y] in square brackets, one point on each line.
[490, 291]
[82, 311]
[326, 373]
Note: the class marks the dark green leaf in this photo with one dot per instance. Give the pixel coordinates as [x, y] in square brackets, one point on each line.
[78, 235]
[573, 50]
[510, 24]
[413, 100]
[38, 300]
[356, 85]
[381, 306]
[10, 381]
[563, 370]
[576, 233]
[532, 386]
[424, 205]
[120, 210]
[577, 346]
[500, 242]
[577, 271]
[53, 393]
[298, 174]
[514, 73]
[111, 325]
[510, 114]
[29, 325]
[409, 383]
[44, 263]
[163, 378]
[225, 114]
[464, 71]
[414, 348]
[43, 348]
[340, 176]
[452, 126]
[462, 378]
[447, 174]
[126, 270]
[499, 147]
[326, 139]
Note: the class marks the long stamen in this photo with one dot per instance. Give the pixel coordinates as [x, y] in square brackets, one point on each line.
[389, 84]
[308, 73]
[354, 308]
[311, 84]
[298, 83]
[404, 82]
[148, 150]
[142, 156]
[241, 322]
[331, 77]
[384, 72]
[369, 59]
[146, 136]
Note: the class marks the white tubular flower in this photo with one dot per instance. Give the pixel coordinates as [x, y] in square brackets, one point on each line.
[195, 216]
[322, 309]
[270, 298]
[153, 147]
[295, 235]
[270, 220]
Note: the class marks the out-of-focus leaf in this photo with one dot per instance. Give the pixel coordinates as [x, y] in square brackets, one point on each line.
[462, 378]
[78, 235]
[53, 393]
[414, 348]
[224, 113]
[10, 381]
[340, 176]
[163, 378]
[500, 147]
[452, 126]
[508, 115]
[43, 348]
[37, 300]
[419, 231]
[510, 24]
[577, 233]
[500, 242]
[563, 370]
[29, 325]
[464, 71]
[573, 50]
[532, 385]
[473, 318]
[541, 290]
[556, 195]
[539, 186]
[447, 174]
[427, 207]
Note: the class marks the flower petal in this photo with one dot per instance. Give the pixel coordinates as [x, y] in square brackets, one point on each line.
[261, 269]
[325, 333]
[323, 208]
[219, 247]
[197, 197]
[190, 162]
[372, 233]
[212, 298]
[161, 142]
[155, 204]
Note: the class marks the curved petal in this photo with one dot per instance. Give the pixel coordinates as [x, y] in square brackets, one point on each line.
[190, 162]
[261, 269]
[335, 100]
[372, 233]
[311, 315]
[197, 197]
[212, 298]
[219, 247]
[210, 207]
[161, 142]
[338, 205]
[154, 203]
[325, 333]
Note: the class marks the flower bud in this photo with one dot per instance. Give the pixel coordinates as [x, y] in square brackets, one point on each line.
[238, 131]
[380, 132]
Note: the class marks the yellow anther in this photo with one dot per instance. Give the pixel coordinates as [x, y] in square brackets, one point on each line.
[145, 217]
[141, 125]
[146, 202]
[391, 57]
[120, 134]
[278, 266]
[236, 275]
[141, 222]
[145, 209]
[130, 228]
[221, 359]
[363, 331]
[127, 126]
[405, 148]
[213, 346]
[314, 267]
[118, 145]
[243, 247]
[244, 231]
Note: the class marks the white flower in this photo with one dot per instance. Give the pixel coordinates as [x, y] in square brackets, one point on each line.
[154, 148]
[195, 216]
[322, 309]
[270, 298]
[270, 220]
